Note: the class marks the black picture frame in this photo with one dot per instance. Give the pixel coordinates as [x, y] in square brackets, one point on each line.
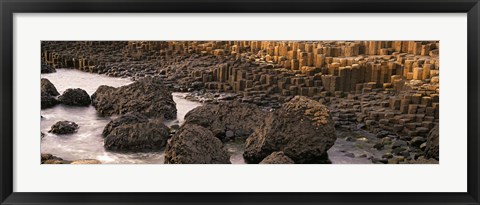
[9, 7]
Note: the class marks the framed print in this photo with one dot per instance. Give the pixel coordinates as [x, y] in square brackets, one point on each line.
[239, 102]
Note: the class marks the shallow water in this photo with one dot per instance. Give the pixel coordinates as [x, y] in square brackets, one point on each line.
[87, 143]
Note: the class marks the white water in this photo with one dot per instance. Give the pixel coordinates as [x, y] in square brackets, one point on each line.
[87, 143]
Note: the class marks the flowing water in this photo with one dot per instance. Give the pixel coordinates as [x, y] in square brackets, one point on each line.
[87, 143]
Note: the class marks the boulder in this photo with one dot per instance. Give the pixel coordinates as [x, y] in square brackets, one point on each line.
[48, 87]
[277, 158]
[50, 159]
[47, 101]
[147, 96]
[302, 128]
[193, 144]
[432, 148]
[129, 118]
[64, 127]
[86, 161]
[76, 97]
[139, 137]
[227, 120]
[47, 69]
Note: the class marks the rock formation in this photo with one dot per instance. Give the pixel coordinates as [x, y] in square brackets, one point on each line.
[302, 128]
[75, 97]
[227, 120]
[64, 127]
[432, 149]
[193, 144]
[147, 96]
[277, 158]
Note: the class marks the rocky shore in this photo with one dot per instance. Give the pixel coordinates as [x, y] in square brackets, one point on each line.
[287, 100]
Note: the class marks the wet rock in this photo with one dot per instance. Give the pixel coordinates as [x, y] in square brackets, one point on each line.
[50, 159]
[75, 97]
[417, 141]
[42, 135]
[432, 146]
[193, 144]
[142, 136]
[47, 69]
[147, 96]
[86, 161]
[277, 158]
[47, 101]
[47, 87]
[64, 127]
[227, 120]
[129, 118]
[302, 128]
[378, 146]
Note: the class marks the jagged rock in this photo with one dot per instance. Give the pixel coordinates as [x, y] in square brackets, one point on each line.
[64, 127]
[432, 149]
[193, 144]
[86, 161]
[302, 128]
[48, 87]
[47, 69]
[47, 101]
[75, 96]
[141, 136]
[129, 118]
[227, 120]
[277, 158]
[147, 96]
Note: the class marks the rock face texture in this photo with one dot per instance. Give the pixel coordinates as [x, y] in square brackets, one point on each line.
[140, 136]
[64, 127]
[129, 118]
[193, 144]
[86, 161]
[277, 158]
[147, 96]
[47, 69]
[302, 128]
[432, 149]
[48, 93]
[75, 97]
[47, 101]
[227, 120]
[47, 87]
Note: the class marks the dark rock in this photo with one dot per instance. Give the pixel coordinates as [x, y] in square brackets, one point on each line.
[417, 141]
[232, 118]
[399, 143]
[432, 148]
[64, 127]
[129, 118]
[47, 101]
[50, 159]
[147, 96]
[277, 158]
[193, 144]
[141, 136]
[76, 97]
[48, 88]
[378, 146]
[302, 128]
[47, 69]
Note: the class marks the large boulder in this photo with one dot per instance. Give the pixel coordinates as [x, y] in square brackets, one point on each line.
[47, 101]
[302, 128]
[48, 88]
[139, 137]
[277, 158]
[47, 69]
[147, 96]
[193, 144]
[76, 97]
[64, 127]
[227, 120]
[129, 118]
[432, 149]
